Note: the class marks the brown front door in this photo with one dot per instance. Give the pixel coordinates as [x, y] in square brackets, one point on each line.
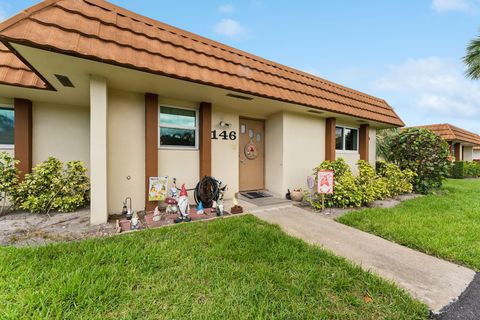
[252, 154]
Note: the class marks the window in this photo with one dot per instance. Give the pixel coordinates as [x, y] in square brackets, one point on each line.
[346, 139]
[178, 127]
[7, 117]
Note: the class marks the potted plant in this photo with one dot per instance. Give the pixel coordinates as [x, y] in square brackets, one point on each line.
[297, 195]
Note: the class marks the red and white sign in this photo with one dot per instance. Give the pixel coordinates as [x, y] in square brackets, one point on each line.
[325, 182]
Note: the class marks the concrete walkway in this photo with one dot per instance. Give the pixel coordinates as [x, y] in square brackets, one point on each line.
[434, 281]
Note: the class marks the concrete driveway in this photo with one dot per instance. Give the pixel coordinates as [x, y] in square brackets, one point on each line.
[434, 281]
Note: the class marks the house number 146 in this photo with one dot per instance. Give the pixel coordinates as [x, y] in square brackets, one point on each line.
[232, 135]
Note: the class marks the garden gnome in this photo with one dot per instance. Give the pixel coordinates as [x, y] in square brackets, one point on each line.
[200, 209]
[156, 214]
[135, 222]
[183, 206]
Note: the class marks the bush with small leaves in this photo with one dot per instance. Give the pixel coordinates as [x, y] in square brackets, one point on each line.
[397, 181]
[8, 180]
[51, 186]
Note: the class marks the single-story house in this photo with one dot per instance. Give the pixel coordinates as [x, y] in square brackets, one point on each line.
[135, 98]
[461, 141]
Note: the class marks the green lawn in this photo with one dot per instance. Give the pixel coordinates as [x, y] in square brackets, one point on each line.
[446, 225]
[237, 268]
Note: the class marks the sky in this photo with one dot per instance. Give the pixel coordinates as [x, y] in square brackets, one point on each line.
[407, 52]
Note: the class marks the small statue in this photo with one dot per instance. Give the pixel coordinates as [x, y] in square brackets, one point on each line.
[183, 206]
[172, 207]
[219, 208]
[135, 224]
[214, 206]
[156, 215]
[200, 209]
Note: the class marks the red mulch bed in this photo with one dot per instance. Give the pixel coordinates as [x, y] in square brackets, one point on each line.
[146, 222]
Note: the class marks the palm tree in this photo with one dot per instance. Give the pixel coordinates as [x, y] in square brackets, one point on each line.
[472, 59]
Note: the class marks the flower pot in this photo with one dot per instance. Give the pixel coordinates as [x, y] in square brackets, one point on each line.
[297, 196]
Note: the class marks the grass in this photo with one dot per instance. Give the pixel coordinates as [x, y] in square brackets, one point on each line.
[446, 225]
[237, 268]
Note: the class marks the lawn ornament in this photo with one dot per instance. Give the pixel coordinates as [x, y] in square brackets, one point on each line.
[156, 215]
[127, 211]
[214, 206]
[172, 206]
[135, 224]
[200, 209]
[220, 208]
[236, 209]
[183, 206]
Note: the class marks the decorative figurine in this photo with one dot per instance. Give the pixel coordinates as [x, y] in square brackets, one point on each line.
[135, 224]
[183, 206]
[200, 209]
[156, 215]
[172, 207]
[219, 208]
[214, 206]
[236, 209]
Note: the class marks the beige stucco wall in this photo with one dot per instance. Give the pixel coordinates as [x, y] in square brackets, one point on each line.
[467, 153]
[304, 148]
[60, 131]
[225, 165]
[126, 150]
[274, 154]
[372, 148]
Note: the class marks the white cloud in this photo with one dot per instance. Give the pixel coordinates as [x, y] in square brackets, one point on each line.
[455, 5]
[432, 90]
[230, 28]
[226, 8]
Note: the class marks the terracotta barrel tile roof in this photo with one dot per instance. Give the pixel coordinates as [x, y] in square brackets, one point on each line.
[450, 133]
[98, 30]
[14, 72]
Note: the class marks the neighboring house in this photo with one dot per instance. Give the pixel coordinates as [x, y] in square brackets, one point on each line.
[462, 142]
[135, 98]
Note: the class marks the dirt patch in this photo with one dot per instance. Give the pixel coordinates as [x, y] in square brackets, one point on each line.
[27, 229]
[334, 213]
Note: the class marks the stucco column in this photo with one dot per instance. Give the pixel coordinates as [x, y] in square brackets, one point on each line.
[364, 141]
[330, 139]
[205, 139]
[98, 150]
[23, 135]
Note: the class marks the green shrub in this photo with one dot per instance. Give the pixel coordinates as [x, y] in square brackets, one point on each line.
[471, 170]
[347, 193]
[373, 187]
[368, 186]
[51, 186]
[397, 181]
[458, 170]
[8, 179]
[426, 154]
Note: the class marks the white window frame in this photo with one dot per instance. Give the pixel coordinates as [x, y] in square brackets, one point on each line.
[8, 146]
[197, 128]
[343, 136]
